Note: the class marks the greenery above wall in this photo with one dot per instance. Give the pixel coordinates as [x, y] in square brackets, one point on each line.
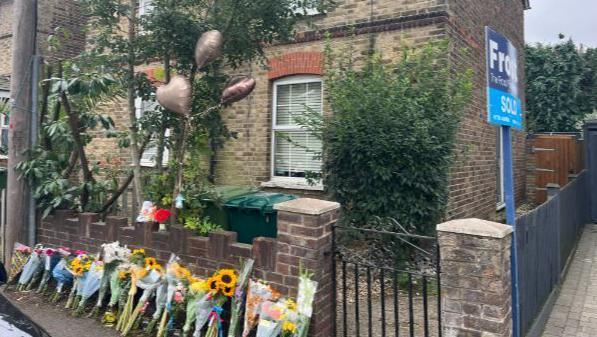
[387, 145]
[561, 86]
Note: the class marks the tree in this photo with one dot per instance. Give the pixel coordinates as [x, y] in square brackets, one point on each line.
[560, 86]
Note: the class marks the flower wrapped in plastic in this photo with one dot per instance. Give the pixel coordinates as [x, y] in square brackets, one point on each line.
[137, 271]
[258, 293]
[149, 284]
[61, 273]
[239, 296]
[222, 287]
[198, 289]
[147, 212]
[112, 254]
[270, 319]
[50, 259]
[90, 286]
[37, 274]
[160, 305]
[79, 266]
[289, 319]
[20, 256]
[31, 267]
[177, 277]
[119, 283]
[306, 294]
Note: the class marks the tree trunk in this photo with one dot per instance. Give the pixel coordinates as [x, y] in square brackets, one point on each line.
[135, 153]
[161, 136]
[17, 192]
[43, 115]
[75, 127]
[72, 162]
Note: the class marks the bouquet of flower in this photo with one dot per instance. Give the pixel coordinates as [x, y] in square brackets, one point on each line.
[147, 212]
[289, 319]
[198, 290]
[39, 270]
[176, 277]
[270, 319]
[222, 287]
[61, 273]
[30, 268]
[239, 296]
[258, 293]
[79, 267]
[119, 282]
[161, 216]
[137, 271]
[91, 285]
[160, 305]
[306, 294]
[149, 284]
[20, 256]
[112, 255]
[49, 259]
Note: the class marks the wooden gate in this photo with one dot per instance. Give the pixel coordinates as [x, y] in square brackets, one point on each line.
[556, 157]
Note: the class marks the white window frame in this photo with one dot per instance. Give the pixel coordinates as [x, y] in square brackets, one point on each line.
[288, 182]
[3, 124]
[145, 6]
[501, 202]
[139, 111]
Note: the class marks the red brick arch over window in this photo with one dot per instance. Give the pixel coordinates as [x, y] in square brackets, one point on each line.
[296, 64]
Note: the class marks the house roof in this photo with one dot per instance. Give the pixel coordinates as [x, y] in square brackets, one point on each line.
[5, 83]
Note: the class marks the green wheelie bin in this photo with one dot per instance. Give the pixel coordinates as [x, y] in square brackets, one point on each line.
[214, 205]
[253, 215]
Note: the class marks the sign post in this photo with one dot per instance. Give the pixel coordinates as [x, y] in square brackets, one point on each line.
[504, 109]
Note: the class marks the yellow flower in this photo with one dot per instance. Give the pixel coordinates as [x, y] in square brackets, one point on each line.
[122, 274]
[289, 327]
[228, 291]
[212, 284]
[199, 286]
[150, 263]
[290, 305]
[226, 278]
[139, 251]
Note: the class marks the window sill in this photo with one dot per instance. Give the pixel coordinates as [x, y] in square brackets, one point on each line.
[292, 185]
[500, 206]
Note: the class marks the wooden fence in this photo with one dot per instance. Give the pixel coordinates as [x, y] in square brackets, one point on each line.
[554, 158]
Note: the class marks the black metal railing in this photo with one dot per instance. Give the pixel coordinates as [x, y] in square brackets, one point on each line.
[546, 238]
[386, 282]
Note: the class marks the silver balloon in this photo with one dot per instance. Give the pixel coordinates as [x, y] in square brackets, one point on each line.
[209, 48]
[237, 89]
[176, 95]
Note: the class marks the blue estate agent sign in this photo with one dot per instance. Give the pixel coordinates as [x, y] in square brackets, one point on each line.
[503, 102]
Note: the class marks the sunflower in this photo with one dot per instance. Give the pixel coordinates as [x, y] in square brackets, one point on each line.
[213, 285]
[78, 270]
[139, 251]
[290, 305]
[199, 286]
[228, 291]
[226, 278]
[150, 263]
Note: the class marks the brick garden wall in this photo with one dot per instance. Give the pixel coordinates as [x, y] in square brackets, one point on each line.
[304, 239]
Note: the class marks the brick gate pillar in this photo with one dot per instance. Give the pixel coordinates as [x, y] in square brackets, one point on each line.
[305, 239]
[475, 278]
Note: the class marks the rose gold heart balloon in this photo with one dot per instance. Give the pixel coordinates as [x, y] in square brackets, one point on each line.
[237, 89]
[176, 95]
[208, 48]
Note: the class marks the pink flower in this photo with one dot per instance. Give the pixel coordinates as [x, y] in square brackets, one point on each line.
[178, 298]
[49, 252]
[80, 252]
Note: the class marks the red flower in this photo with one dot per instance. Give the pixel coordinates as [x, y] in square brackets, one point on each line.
[161, 215]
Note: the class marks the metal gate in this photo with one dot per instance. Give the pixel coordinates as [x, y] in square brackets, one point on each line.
[591, 160]
[386, 282]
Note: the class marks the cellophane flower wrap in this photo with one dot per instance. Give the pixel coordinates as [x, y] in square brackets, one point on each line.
[270, 319]
[31, 267]
[160, 305]
[198, 289]
[79, 266]
[39, 270]
[239, 297]
[258, 292]
[222, 287]
[306, 293]
[112, 254]
[20, 256]
[61, 274]
[119, 282]
[50, 258]
[289, 319]
[149, 282]
[136, 271]
[91, 284]
[147, 212]
[177, 279]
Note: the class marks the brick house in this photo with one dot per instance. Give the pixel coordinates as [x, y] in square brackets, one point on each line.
[293, 77]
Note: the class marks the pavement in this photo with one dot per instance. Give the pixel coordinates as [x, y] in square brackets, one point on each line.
[575, 311]
[53, 318]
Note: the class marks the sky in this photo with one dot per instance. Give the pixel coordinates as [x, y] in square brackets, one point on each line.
[573, 18]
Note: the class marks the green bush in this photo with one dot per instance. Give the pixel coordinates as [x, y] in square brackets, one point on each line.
[387, 146]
